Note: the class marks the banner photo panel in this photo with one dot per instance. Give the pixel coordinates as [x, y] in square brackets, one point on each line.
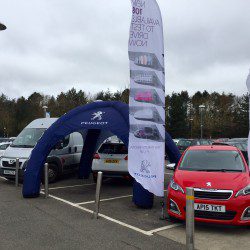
[147, 96]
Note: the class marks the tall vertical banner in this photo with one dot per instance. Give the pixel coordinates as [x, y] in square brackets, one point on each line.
[248, 87]
[147, 96]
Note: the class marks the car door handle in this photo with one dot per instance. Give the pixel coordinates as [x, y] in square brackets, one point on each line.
[75, 149]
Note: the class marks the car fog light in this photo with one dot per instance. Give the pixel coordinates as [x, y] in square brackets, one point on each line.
[246, 214]
[173, 207]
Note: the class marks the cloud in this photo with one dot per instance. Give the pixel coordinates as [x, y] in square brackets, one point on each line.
[53, 45]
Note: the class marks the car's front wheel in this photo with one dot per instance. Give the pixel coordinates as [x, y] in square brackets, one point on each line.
[53, 173]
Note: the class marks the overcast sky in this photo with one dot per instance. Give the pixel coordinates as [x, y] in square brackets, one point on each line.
[53, 45]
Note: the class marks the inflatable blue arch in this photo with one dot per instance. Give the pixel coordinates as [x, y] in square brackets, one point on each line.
[114, 121]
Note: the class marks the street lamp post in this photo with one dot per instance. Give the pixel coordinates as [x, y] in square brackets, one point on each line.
[45, 111]
[191, 127]
[201, 108]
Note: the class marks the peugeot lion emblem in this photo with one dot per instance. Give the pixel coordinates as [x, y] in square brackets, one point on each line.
[145, 166]
[97, 115]
[209, 184]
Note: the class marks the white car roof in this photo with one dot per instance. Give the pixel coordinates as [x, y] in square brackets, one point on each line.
[112, 139]
[42, 123]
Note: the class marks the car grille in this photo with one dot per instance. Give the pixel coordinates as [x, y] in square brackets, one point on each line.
[6, 164]
[228, 215]
[212, 194]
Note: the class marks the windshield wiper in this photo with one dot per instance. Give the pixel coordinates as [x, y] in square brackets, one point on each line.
[229, 170]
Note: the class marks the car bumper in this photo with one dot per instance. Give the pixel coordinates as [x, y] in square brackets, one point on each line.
[11, 176]
[235, 207]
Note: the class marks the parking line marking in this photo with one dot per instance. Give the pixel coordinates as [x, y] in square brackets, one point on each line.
[164, 228]
[69, 203]
[108, 199]
[80, 185]
[148, 233]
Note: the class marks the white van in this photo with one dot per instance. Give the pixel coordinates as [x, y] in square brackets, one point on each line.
[64, 158]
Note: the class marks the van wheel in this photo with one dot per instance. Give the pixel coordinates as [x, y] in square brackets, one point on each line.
[53, 173]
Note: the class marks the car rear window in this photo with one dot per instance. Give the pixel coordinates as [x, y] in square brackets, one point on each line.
[209, 160]
[184, 143]
[113, 148]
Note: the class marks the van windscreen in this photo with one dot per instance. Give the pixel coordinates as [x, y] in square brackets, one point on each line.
[113, 148]
[28, 138]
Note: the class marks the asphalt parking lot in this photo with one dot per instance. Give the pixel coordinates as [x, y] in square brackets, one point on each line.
[65, 220]
[116, 203]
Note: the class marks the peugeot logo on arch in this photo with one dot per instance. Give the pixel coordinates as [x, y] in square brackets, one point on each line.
[97, 115]
[209, 184]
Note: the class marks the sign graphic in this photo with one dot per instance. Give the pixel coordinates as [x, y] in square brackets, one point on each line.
[209, 184]
[97, 115]
[145, 165]
[147, 96]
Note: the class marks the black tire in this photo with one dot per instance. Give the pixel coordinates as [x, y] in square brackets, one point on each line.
[53, 172]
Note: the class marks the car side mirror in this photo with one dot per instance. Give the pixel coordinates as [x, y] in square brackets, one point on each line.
[171, 166]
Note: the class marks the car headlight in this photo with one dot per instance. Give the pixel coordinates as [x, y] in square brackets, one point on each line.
[244, 191]
[175, 186]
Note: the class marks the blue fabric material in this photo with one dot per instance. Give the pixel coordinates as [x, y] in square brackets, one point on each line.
[171, 149]
[88, 151]
[115, 120]
[142, 197]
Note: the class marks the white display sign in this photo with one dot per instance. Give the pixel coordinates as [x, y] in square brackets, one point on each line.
[147, 96]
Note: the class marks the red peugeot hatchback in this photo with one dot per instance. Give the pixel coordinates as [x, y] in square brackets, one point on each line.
[221, 181]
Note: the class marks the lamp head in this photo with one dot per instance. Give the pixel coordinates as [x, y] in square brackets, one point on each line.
[2, 26]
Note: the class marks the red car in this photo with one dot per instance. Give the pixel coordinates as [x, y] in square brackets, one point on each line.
[221, 181]
[144, 96]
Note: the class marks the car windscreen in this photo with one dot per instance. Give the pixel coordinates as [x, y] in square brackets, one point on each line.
[212, 160]
[28, 138]
[244, 146]
[4, 146]
[113, 148]
[184, 143]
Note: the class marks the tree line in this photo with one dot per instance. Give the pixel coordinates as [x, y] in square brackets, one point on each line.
[224, 115]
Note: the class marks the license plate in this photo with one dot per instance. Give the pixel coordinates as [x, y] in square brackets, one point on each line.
[209, 207]
[10, 172]
[112, 161]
